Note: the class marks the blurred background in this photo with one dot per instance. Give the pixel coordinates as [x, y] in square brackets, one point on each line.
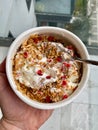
[78, 16]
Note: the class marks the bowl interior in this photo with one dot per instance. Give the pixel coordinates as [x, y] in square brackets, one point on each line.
[63, 34]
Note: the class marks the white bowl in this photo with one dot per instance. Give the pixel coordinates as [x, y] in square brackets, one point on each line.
[52, 30]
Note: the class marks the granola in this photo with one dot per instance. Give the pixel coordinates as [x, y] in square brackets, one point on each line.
[42, 71]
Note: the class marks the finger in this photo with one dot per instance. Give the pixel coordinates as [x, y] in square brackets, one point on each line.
[7, 96]
[44, 115]
[5, 93]
[2, 66]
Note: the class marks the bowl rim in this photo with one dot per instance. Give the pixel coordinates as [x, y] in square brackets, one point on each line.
[25, 98]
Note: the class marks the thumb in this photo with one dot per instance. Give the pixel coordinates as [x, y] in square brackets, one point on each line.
[4, 89]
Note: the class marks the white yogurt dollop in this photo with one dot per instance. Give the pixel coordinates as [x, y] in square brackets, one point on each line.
[29, 76]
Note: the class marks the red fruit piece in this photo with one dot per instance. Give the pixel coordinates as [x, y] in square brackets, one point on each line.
[50, 38]
[25, 54]
[48, 77]
[39, 38]
[59, 59]
[35, 40]
[62, 68]
[48, 100]
[39, 72]
[67, 64]
[70, 47]
[65, 96]
[64, 83]
[49, 60]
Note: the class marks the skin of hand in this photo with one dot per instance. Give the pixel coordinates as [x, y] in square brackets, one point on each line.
[15, 112]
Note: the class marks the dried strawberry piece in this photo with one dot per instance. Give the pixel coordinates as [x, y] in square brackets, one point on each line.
[64, 83]
[39, 38]
[65, 96]
[39, 72]
[59, 59]
[25, 54]
[48, 77]
[35, 40]
[67, 64]
[49, 60]
[50, 38]
[48, 100]
[70, 47]
[62, 68]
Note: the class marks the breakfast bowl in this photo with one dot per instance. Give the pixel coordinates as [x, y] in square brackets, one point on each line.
[40, 70]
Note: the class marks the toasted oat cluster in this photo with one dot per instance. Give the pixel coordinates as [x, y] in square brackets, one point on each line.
[42, 69]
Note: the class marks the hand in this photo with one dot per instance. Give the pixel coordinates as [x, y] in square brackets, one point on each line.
[15, 112]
